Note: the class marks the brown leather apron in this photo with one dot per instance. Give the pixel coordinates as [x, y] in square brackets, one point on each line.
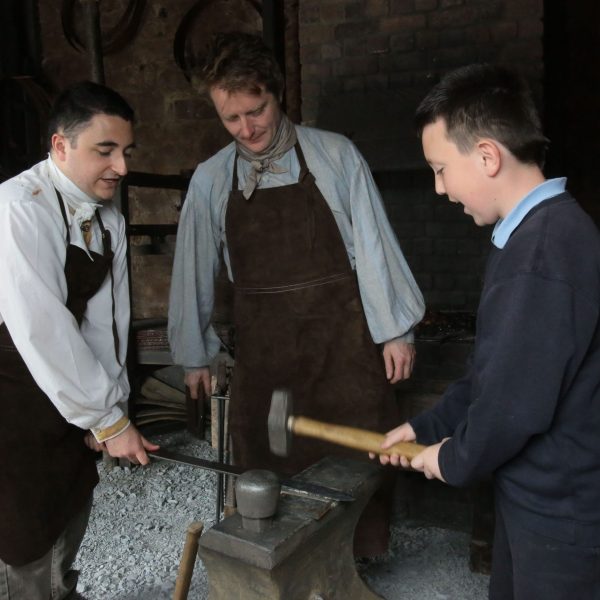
[300, 324]
[47, 474]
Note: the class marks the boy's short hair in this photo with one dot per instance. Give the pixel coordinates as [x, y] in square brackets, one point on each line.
[484, 100]
[240, 62]
[79, 103]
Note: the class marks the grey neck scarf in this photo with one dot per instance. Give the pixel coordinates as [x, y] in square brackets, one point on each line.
[284, 139]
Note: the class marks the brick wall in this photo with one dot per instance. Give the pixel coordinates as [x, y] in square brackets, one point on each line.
[175, 128]
[367, 63]
[445, 250]
[365, 66]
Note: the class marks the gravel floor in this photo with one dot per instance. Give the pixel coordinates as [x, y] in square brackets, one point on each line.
[134, 541]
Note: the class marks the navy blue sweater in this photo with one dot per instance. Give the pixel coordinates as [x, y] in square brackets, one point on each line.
[528, 409]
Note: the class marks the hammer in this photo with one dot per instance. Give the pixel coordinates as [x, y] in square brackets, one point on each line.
[282, 424]
[188, 560]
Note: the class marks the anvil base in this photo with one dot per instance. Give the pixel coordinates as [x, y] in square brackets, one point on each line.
[306, 553]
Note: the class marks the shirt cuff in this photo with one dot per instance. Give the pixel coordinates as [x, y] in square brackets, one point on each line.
[407, 338]
[108, 433]
[192, 369]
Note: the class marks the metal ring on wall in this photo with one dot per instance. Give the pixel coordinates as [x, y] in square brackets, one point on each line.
[185, 26]
[113, 40]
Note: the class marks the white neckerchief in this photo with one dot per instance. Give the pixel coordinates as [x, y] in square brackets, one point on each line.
[81, 206]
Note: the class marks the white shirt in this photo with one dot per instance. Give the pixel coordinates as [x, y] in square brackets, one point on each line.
[75, 367]
[392, 301]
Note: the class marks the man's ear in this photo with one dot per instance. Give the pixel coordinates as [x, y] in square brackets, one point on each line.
[490, 156]
[58, 144]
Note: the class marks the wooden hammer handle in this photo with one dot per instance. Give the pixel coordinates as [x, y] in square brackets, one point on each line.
[351, 437]
[188, 560]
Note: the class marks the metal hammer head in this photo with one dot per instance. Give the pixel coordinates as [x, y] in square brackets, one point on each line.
[257, 493]
[280, 435]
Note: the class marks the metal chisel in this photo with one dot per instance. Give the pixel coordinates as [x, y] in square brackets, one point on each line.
[288, 484]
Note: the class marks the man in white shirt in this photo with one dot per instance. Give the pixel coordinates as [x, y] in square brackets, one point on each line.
[64, 319]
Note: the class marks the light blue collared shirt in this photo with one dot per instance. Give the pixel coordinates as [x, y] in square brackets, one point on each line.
[391, 298]
[505, 227]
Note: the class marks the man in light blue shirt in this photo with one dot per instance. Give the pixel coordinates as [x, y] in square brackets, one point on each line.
[320, 280]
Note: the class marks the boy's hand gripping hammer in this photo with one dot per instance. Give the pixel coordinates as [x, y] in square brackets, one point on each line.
[283, 424]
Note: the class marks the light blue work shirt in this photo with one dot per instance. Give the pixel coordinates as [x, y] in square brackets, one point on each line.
[392, 301]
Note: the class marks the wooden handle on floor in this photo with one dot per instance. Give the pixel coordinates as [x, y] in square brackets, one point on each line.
[188, 560]
[351, 437]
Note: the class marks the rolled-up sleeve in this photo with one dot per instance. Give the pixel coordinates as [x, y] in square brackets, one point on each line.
[33, 298]
[192, 338]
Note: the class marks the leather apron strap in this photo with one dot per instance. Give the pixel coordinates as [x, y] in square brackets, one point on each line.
[85, 276]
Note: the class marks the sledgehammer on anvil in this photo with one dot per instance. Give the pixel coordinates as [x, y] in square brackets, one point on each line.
[283, 424]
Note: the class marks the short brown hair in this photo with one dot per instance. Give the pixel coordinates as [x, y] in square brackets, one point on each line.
[483, 100]
[238, 62]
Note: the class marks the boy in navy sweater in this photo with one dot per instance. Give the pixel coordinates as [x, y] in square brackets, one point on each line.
[527, 412]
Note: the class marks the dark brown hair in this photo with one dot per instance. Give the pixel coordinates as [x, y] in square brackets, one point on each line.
[78, 104]
[482, 100]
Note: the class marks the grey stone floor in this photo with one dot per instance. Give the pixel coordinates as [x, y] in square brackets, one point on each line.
[134, 542]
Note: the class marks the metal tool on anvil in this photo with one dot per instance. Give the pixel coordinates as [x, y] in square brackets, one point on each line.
[283, 424]
[288, 485]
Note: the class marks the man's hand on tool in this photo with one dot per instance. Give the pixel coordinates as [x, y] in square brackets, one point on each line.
[132, 445]
[399, 358]
[196, 378]
[92, 443]
[402, 433]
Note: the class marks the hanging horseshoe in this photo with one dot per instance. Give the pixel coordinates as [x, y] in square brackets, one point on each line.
[113, 40]
[183, 31]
